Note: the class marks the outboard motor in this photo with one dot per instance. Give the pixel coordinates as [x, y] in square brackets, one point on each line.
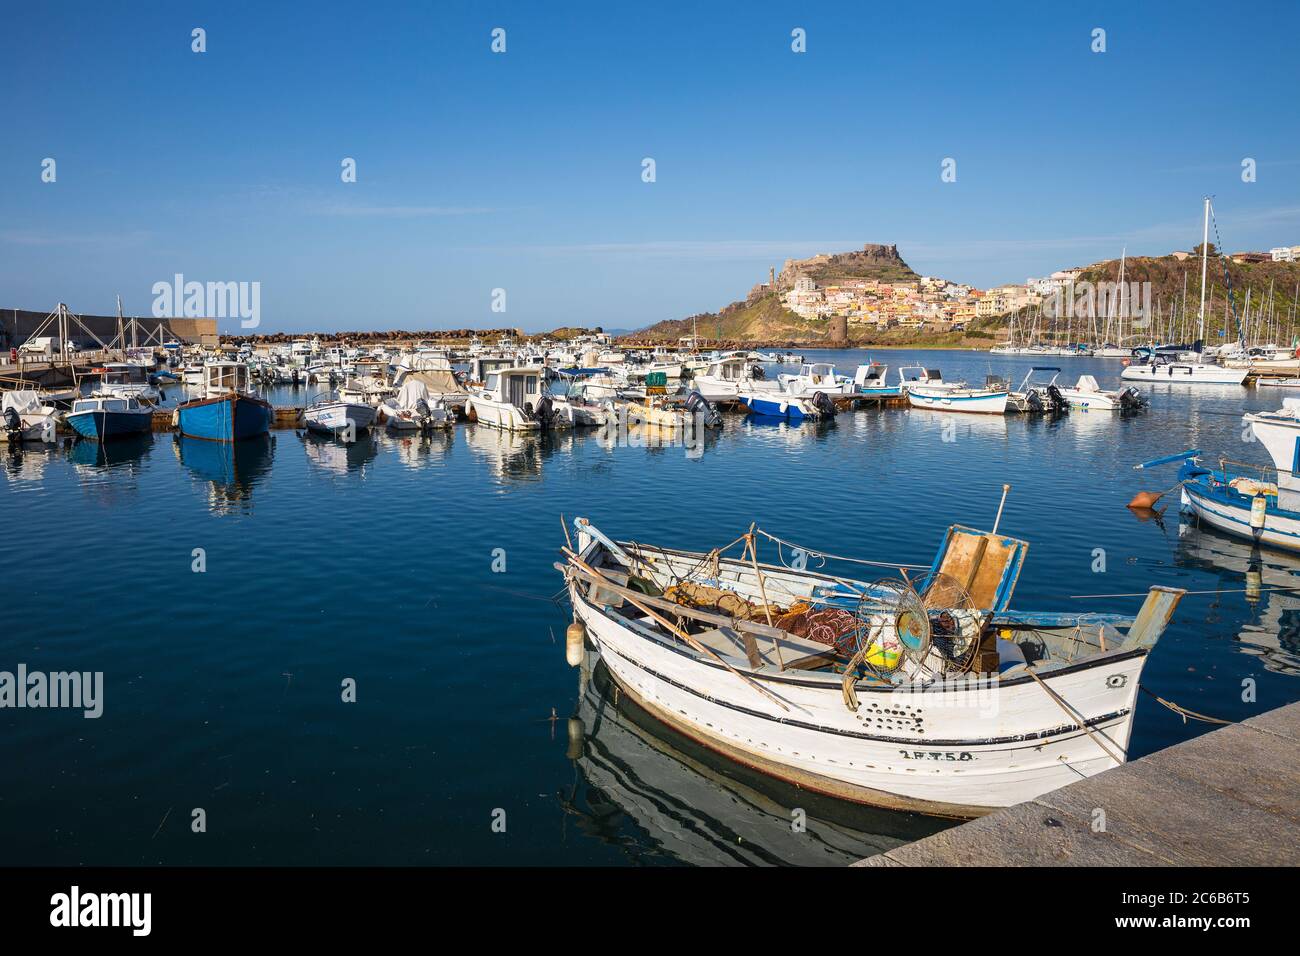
[697, 404]
[13, 422]
[757, 373]
[1056, 401]
[422, 413]
[528, 412]
[1130, 400]
[822, 402]
[545, 412]
[1034, 400]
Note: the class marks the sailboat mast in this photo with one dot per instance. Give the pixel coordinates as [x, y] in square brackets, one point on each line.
[1205, 259]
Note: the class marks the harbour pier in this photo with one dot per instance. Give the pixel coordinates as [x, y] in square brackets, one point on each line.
[1226, 798]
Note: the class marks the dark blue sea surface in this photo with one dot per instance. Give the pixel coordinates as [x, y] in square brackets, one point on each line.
[375, 562]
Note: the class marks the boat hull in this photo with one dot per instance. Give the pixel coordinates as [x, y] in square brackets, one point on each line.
[793, 410]
[227, 418]
[1185, 374]
[103, 425]
[981, 402]
[909, 749]
[1220, 510]
[336, 418]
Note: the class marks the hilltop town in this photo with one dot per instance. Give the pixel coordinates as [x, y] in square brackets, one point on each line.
[872, 296]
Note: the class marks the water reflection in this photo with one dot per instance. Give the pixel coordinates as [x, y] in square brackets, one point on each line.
[415, 450]
[230, 470]
[509, 455]
[127, 452]
[1271, 628]
[696, 808]
[27, 461]
[335, 456]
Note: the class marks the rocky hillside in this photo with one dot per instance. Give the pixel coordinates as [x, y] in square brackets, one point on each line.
[872, 261]
[762, 318]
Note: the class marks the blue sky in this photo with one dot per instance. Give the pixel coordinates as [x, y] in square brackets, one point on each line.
[522, 170]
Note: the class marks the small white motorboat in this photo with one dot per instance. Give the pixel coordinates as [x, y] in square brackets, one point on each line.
[24, 417]
[926, 389]
[413, 409]
[512, 399]
[336, 417]
[1089, 395]
[814, 378]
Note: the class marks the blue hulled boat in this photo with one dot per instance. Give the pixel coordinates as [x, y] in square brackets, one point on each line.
[108, 417]
[229, 417]
[229, 413]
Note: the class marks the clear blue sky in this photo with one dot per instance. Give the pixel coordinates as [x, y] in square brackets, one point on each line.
[523, 171]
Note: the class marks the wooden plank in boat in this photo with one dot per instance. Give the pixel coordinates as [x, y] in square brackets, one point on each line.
[731, 643]
[609, 597]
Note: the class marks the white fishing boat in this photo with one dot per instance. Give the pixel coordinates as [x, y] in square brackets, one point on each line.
[871, 381]
[1089, 395]
[335, 417]
[724, 378]
[816, 377]
[926, 693]
[926, 389]
[510, 399]
[125, 380]
[24, 417]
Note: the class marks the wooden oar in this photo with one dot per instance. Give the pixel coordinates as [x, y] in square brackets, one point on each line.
[692, 642]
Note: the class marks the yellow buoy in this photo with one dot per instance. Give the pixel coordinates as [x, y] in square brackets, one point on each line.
[574, 637]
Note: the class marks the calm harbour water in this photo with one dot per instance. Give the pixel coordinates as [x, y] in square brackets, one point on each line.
[375, 562]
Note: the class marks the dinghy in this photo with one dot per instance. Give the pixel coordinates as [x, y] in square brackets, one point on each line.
[921, 691]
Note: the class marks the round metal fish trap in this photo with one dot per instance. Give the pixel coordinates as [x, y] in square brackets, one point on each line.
[928, 625]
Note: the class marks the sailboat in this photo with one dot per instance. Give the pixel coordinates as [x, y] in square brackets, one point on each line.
[1196, 371]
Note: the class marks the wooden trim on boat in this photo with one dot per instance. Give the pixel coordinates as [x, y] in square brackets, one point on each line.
[229, 396]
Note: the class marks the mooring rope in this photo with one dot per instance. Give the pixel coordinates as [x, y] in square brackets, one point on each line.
[823, 555]
[1183, 711]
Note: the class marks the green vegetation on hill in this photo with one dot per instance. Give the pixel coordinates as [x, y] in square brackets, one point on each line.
[1171, 278]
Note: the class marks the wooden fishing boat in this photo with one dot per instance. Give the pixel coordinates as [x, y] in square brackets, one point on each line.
[925, 693]
[230, 412]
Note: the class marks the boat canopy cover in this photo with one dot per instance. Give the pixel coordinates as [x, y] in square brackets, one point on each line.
[438, 380]
[987, 565]
[1087, 384]
[23, 401]
[411, 392]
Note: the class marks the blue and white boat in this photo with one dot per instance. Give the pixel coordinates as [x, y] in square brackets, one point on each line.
[792, 408]
[1261, 505]
[103, 417]
[926, 388]
[229, 413]
[869, 381]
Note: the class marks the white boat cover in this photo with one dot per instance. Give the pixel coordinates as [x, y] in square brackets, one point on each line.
[1087, 384]
[412, 391]
[23, 401]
